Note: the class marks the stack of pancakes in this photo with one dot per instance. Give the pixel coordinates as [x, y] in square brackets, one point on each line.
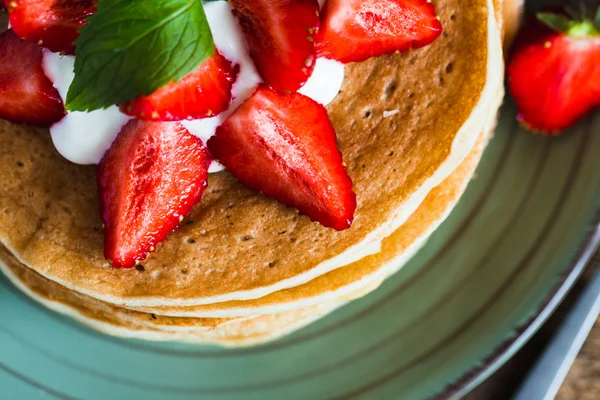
[242, 268]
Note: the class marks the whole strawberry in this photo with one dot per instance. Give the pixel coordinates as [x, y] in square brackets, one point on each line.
[554, 70]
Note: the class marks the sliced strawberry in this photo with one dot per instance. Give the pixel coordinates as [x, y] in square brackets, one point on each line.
[54, 24]
[280, 35]
[203, 93]
[355, 30]
[554, 75]
[152, 176]
[284, 146]
[26, 94]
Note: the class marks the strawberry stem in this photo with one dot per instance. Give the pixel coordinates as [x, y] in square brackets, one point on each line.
[583, 30]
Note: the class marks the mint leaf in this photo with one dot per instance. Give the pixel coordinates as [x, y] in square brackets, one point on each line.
[131, 48]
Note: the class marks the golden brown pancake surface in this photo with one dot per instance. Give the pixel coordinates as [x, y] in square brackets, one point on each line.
[440, 199]
[237, 240]
[404, 240]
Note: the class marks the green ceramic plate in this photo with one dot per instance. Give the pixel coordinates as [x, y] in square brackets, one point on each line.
[480, 288]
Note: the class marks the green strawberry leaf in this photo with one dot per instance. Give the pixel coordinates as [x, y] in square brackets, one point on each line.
[557, 22]
[597, 19]
[131, 48]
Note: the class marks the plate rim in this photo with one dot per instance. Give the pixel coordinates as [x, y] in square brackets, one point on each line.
[522, 333]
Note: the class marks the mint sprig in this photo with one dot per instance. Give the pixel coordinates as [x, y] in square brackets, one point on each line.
[131, 48]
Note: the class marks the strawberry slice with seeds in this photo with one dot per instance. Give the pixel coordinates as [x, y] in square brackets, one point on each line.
[26, 94]
[554, 71]
[151, 177]
[284, 146]
[355, 30]
[203, 93]
[280, 35]
[54, 24]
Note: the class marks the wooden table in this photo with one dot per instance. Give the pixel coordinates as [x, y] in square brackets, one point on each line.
[583, 380]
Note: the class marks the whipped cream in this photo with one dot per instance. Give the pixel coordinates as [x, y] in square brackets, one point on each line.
[325, 82]
[81, 137]
[84, 137]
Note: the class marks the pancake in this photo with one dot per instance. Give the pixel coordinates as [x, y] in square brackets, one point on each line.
[238, 245]
[132, 330]
[512, 17]
[404, 242]
[108, 318]
[396, 250]
[233, 332]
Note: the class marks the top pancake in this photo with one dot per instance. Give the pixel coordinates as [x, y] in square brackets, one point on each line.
[341, 283]
[237, 244]
[136, 324]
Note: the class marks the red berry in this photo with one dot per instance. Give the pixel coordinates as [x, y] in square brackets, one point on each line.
[26, 94]
[54, 24]
[203, 93]
[355, 30]
[150, 178]
[284, 146]
[553, 76]
[280, 34]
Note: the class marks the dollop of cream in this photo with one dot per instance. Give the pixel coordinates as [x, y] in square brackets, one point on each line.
[83, 138]
[325, 82]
